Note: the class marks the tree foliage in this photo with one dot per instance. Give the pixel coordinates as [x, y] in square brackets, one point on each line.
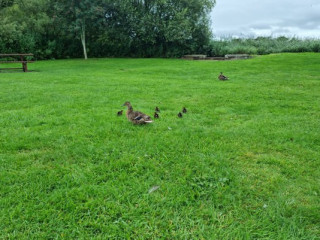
[79, 18]
[73, 28]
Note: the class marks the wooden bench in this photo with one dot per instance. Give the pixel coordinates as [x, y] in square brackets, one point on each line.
[16, 58]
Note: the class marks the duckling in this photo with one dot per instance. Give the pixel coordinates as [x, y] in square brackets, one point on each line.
[136, 117]
[222, 77]
[119, 113]
[180, 115]
[184, 110]
[157, 109]
[156, 115]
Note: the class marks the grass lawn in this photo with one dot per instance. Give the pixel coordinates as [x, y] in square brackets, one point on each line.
[243, 163]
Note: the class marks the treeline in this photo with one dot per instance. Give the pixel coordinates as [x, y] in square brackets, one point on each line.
[105, 28]
[262, 45]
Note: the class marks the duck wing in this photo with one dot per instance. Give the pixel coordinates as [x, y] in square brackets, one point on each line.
[222, 77]
[139, 117]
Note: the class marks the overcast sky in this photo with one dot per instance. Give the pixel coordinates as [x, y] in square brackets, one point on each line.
[299, 18]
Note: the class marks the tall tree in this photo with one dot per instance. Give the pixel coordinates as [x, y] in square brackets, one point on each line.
[140, 28]
[79, 17]
[159, 27]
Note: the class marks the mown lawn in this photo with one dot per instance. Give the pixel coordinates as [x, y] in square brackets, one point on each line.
[243, 163]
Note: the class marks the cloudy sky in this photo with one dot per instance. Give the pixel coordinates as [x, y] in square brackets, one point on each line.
[298, 18]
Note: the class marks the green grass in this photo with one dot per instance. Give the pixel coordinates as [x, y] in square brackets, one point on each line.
[243, 163]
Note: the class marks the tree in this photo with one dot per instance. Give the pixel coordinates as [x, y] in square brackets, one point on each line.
[22, 24]
[79, 17]
[158, 27]
[139, 28]
[6, 3]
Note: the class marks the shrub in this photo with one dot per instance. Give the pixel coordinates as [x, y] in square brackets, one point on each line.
[262, 45]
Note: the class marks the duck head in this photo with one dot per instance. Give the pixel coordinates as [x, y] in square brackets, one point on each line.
[126, 104]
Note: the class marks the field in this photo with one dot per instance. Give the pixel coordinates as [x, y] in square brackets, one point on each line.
[243, 163]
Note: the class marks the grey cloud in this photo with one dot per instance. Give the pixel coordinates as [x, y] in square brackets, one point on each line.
[259, 26]
[247, 17]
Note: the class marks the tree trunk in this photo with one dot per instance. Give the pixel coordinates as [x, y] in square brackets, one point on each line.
[83, 40]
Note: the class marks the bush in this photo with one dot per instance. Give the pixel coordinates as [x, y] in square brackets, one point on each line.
[262, 45]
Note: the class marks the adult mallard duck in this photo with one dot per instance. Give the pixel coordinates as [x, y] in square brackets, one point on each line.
[135, 116]
[222, 77]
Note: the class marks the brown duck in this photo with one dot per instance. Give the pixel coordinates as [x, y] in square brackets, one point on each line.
[222, 77]
[135, 116]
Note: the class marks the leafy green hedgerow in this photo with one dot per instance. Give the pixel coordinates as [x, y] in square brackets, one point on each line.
[262, 46]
